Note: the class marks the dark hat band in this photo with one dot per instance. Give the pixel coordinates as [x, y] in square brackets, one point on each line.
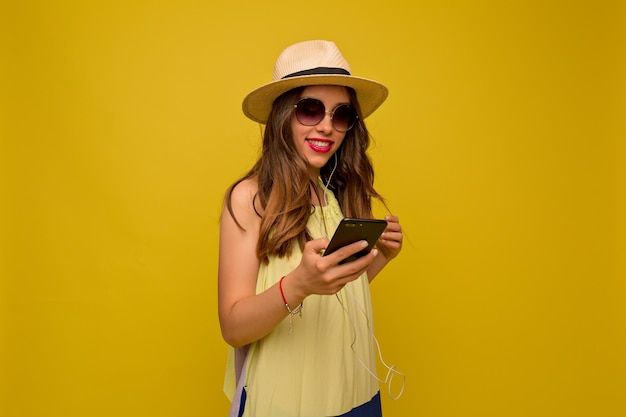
[318, 71]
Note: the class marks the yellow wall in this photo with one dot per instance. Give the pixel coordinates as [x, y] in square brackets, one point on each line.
[501, 148]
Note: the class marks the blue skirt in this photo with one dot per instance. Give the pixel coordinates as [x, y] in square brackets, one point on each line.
[372, 408]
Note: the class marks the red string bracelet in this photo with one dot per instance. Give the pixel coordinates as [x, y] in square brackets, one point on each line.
[297, 310]
[280, 284]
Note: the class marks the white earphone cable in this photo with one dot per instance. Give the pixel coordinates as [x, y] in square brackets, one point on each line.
[391, 370]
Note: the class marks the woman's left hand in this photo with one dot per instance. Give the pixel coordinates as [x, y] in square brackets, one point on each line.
[390, 242]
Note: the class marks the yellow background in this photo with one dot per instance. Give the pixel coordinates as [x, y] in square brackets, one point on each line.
[501, 147]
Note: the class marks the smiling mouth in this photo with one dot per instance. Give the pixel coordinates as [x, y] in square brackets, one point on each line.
[319, 143]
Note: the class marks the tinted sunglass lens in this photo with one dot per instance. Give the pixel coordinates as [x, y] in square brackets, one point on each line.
[310, 111]
[344, 118]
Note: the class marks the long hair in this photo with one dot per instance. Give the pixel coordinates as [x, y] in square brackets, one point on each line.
[283, 199]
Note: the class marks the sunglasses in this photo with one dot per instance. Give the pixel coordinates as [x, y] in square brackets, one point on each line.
[311, 111]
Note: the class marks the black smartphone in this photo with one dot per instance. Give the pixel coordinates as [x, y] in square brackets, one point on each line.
[353, 230]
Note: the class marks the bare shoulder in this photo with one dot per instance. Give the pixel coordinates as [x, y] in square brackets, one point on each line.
[242, 196]
[242, 199]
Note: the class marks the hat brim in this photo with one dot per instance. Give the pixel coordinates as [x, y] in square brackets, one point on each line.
[258, 104]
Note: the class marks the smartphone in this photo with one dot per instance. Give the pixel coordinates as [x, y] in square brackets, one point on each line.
[353, 230]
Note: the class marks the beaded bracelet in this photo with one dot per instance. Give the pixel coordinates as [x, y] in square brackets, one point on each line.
[297, 310]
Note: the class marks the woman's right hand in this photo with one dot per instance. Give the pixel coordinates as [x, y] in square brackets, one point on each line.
[318, 274]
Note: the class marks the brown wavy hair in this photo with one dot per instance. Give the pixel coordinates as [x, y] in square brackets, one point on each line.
[283, 199]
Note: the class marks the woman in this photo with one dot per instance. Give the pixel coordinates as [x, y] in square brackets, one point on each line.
[299, 322]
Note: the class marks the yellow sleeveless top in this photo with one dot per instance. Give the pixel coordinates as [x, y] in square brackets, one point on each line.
[323, 367]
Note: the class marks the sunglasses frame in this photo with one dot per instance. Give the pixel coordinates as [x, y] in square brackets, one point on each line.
[331, 112]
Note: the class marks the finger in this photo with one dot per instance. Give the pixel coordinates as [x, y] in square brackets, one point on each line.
[351, 271]
[357, 266]
[390, 244]
[317, 245]
[346, 251]
[392, 219]
[395, 227]
[392, 235]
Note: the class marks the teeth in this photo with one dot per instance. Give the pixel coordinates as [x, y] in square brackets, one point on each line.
[319, 143]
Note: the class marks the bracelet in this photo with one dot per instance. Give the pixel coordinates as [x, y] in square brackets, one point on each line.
[297, 310]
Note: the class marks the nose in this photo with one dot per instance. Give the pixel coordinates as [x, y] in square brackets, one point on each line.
[326, 124]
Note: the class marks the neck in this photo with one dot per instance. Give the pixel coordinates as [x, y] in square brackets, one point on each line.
[317, 194]
[314, 174]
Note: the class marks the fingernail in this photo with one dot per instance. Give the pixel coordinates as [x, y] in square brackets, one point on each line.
[364, 244]
[375, 252]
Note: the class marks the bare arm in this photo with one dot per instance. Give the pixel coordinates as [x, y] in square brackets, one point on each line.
[237, 273]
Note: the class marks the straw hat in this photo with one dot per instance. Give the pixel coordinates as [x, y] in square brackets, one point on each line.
[315, 62]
